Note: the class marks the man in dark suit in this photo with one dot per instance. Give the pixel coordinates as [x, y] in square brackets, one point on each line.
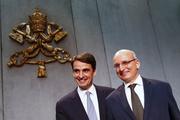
[74, 106]
[154, 99]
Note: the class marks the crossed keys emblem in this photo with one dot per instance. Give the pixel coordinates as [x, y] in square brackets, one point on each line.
[39, 34]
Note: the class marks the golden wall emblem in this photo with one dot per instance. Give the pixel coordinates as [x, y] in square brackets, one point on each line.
[39, 34]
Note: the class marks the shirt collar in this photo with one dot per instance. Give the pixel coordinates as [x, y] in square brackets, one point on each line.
[138, 81]
[91, 90]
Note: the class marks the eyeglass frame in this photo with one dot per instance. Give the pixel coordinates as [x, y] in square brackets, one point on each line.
[124, 63]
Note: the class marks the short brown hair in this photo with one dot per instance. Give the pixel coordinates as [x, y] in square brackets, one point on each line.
[85, 58]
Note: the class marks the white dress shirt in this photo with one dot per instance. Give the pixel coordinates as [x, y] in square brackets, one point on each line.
[139, 89]
[93, 96]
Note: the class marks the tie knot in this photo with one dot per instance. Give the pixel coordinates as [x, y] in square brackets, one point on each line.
[88, 93]
[132, 86]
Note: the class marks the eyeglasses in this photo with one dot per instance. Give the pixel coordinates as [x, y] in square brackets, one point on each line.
[123, 64]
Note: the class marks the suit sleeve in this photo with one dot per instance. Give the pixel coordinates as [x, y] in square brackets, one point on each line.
[60, 114]
[173, 108]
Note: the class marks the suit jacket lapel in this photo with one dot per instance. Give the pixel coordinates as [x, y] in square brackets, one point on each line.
[80, 111]
[101, 107]
[147, 96]
[124, 102]
[101, 103]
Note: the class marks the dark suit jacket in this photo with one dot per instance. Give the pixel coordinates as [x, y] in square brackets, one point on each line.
[159, 103]
[70, 106]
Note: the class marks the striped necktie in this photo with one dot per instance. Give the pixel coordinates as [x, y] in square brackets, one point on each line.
[136, 103]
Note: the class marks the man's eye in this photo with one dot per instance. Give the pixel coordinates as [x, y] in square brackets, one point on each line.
[86, 70]
[75, 71]
[116, 65]
[125, 62]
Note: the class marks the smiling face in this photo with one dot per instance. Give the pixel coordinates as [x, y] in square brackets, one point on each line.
[126, 65]
[83, 74]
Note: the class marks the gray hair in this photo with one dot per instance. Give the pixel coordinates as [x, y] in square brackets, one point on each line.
[126, 50]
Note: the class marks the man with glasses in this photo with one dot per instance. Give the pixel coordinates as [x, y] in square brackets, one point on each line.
[139, 98]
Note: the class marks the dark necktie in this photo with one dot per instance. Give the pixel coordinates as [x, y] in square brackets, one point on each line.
[136, 103]
[90, 108]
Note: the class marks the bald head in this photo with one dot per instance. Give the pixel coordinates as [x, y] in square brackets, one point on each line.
[125, 52]
[126, 65]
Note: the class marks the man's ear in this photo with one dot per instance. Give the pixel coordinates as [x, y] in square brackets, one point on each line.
[94, 73]
[138, 64]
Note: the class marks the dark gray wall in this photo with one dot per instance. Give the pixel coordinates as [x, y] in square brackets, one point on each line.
[1, 82]
[150, 27]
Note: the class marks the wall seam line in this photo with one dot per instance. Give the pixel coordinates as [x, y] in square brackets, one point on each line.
[74, 31]
[156, 39]
[101, 30]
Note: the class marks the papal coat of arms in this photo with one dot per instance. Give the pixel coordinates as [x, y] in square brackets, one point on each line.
[39, 34]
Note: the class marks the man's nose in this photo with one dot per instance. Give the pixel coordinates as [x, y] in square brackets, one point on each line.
[121, 67]
[81, 74]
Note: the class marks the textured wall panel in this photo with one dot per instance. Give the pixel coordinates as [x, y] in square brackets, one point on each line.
[1, 81]
[167, 26]
[25, 96]
[127, 24]
[89, 36]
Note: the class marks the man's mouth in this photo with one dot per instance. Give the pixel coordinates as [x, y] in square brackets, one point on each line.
[82, 80]
[123, 73]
